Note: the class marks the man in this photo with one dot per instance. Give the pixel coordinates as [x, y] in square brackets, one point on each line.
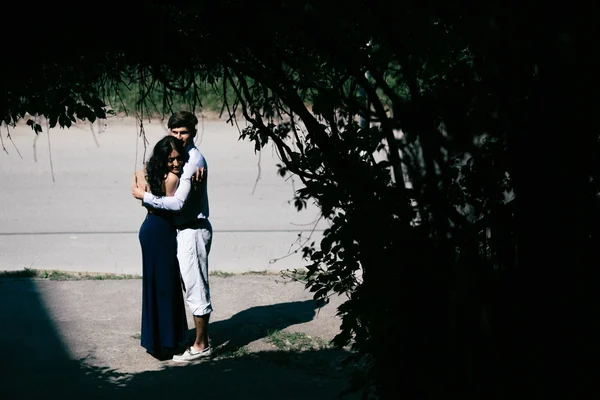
[194, 231]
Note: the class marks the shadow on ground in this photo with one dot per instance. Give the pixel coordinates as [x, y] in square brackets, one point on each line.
[35, 361]
[264, 375]
[257, 322]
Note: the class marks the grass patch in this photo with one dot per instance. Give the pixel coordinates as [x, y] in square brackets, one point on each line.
[235, 352]
[211, 96]
[82, 276]
[295, 275]
[259, 273]
[223, 274]
[296, 341]
[56, 275]
[137, 336]
[26, 273]
[311, 354]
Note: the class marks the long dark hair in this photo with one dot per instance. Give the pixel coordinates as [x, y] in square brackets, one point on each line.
[156, 167]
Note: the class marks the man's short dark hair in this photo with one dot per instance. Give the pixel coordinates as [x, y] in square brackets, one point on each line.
[183, 119]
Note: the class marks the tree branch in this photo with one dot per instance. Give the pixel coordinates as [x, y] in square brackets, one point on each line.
[2, 140]
[257, 121]
[13, 142]
[394, 152]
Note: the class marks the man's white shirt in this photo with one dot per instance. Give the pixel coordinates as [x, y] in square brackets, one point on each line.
[187, 204]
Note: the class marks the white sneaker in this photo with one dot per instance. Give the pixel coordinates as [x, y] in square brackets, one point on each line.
[191, 355]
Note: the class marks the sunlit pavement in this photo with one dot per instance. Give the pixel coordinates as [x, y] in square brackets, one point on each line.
[66, 202]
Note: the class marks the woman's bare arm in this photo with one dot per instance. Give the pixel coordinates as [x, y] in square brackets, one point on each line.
[139, 184]
[171, 184]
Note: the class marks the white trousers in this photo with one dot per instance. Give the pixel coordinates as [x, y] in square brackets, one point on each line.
[193, 246]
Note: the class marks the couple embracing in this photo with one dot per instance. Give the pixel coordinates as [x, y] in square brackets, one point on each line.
[175, 238]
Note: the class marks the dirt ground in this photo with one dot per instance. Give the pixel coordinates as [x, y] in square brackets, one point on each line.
[80, 339]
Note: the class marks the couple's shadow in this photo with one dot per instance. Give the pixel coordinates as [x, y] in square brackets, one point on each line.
[257, 322]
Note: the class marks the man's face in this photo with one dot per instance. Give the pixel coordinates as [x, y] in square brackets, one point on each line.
[182, 134]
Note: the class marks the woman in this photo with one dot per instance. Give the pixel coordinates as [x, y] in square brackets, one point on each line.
[164, 322]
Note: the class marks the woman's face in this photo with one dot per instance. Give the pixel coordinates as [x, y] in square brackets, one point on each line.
[174, 162]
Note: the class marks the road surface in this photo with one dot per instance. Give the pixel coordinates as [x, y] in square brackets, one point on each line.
[71, 208]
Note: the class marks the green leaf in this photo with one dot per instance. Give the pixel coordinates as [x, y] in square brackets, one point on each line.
[53, 120]
[326, 243]
[282, 170]
[100, 112]
[322, 292]
[85, 113]
[299, 203]
[64, 121]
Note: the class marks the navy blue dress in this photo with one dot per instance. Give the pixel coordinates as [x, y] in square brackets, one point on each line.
[164, 322]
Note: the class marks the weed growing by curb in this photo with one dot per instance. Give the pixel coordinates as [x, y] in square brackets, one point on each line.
[56, 275]
[296, 341]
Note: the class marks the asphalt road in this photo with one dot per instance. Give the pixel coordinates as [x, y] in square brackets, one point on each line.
[71, 208]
